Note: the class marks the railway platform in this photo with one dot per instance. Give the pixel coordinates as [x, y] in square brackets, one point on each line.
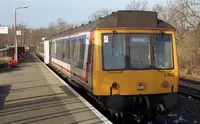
[37, 95]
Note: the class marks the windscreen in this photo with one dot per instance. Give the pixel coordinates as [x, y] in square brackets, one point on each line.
[163, 51]
[139, 46]
[137, 51]
[113, 51]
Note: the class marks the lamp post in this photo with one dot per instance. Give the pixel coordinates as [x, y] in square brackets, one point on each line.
[15, 55]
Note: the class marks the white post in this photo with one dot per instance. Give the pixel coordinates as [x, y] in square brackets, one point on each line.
[46, 52]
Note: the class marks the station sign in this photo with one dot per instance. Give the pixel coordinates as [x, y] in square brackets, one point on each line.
[18, 32]
[3, 30]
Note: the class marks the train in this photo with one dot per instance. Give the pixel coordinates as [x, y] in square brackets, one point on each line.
[128, 60]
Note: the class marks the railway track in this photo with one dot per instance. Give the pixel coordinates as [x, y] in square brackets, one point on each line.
[188, 91]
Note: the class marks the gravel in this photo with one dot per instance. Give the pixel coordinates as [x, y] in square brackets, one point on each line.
[188, 113]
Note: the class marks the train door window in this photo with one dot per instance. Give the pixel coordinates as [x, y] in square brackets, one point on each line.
[81, 52]
[163, 51]
[76, 51]
[67, 49]
[53, 49]
[72, 48]
[63, 48]
[58, 48]
[113, 51]
[57, 52]
[139, 51]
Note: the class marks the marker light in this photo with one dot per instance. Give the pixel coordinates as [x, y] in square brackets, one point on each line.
[115, 85]
[165, 84]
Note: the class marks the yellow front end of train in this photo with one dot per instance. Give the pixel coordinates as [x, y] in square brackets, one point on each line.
[131, 61]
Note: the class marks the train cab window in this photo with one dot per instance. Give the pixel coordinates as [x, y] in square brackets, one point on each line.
[113, 51]
[139, 51]
[163, 51]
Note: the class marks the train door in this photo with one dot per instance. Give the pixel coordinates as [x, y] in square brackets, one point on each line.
[90, 60]
[50, 50]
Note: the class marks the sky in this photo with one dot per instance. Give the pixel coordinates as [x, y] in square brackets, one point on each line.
[41, 12]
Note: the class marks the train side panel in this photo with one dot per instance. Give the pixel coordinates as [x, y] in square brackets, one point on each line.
[76, 69]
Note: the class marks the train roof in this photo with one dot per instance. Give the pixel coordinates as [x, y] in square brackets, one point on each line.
[122, 18]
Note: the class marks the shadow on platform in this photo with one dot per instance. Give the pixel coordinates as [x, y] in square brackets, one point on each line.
[4, 91]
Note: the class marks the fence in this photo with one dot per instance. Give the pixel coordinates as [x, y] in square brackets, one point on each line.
[9, 52]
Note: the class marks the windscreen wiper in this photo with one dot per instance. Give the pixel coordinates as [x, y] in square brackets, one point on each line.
[113, 41]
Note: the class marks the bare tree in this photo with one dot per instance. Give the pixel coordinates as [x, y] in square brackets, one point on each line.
[62, 25]
[184, 16]
[191, 12]
[99, 13]
[137, 5]
[172, 13]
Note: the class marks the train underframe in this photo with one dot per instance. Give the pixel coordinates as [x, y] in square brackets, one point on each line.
[142, 108]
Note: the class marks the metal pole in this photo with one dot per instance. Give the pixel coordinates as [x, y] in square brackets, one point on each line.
[15, 40]
[21, 34]
[23, 38]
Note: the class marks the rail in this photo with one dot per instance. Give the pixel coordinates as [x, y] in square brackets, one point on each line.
[189, 91]
[190, 79]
